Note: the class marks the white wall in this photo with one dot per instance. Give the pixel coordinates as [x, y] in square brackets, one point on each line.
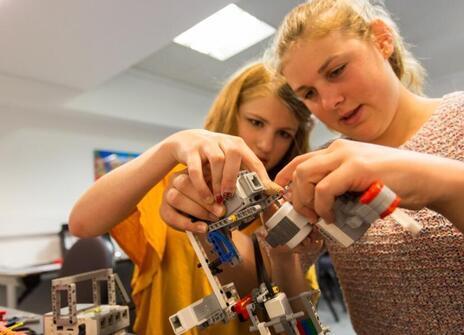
[46, 148]
[47, 162]
[445, 84]
[138, 96]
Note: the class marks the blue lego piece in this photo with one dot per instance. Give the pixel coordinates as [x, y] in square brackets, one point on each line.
[308, 327]
[223, 247]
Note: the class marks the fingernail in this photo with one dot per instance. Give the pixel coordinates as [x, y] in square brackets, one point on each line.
[287, 196]
[272, 188]
[219, 210]
[313, 219]
[212, 217]
[219, 199]
[227, 195]
[201, 228]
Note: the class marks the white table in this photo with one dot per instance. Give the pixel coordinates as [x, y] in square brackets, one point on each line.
[11, 279]
[36, 326]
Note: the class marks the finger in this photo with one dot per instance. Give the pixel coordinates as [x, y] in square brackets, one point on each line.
[183, 184]
[184, 204]
[304, 178]
[180, 221]
[302, 195]
[284, 177]
[233, 161]
[195, 171]
[302, 189]
[333, 185]
[308, 212]
[314, 169]
[252, 163]
[215, 157]
[207, 174]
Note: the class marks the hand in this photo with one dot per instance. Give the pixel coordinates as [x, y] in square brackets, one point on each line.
[181, 202]
[318, 177]
[224, 153]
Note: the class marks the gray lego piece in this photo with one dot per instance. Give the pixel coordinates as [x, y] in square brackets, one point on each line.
[282, 232]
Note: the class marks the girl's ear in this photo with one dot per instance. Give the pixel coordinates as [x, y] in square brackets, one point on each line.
[382, 37]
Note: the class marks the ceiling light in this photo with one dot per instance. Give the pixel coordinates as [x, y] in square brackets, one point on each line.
[225, 33]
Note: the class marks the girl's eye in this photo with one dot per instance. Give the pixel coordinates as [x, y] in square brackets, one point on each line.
[256, 123]
[309, 94]
[285, 135]
[337, 72]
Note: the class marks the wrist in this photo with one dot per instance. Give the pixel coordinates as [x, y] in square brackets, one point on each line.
[168, 148]
[450, 195]
[160, 153]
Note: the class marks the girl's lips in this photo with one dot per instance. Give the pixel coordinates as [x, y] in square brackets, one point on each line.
[353, 117]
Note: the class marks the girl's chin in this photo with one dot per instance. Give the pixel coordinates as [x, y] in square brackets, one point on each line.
[363, 136]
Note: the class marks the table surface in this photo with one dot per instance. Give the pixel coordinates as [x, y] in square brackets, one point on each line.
[36, 326]
[29, 270]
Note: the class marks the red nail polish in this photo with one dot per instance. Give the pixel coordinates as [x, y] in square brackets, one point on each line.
[219, 199]
[227, 195]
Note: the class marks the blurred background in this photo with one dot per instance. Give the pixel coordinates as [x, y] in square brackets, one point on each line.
[80, 76]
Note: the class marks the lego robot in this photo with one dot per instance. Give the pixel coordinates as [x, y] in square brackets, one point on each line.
[224, 304]
[354, 215]
[90, 319]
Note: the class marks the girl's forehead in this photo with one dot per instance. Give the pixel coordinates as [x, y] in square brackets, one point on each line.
[308, 56]
[327, 42]
[270, 108]
[304, 58]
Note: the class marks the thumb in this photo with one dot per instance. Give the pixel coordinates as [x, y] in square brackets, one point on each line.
[284, 177]
[272, 188]
[252, 163]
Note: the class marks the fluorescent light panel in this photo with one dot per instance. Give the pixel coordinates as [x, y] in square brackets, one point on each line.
[225, 33]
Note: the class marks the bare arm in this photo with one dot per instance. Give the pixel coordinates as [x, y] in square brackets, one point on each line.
[450, 201]
[283, 265]
[421, 180]
[113, 197]
[242, 275]
[287, 272]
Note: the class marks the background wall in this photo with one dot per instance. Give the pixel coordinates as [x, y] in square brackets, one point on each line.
[47, 162]
[47, 153]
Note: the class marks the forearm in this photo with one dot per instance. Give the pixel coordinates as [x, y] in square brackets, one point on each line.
[288, 274]
[114, 196]
[425, 180]
[242, 275]
[450, 199]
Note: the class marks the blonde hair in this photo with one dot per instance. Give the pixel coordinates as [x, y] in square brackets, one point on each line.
[252, 82]
[317, 18]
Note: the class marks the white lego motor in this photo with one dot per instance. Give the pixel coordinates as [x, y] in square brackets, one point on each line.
[286, 226]
[353, 216]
